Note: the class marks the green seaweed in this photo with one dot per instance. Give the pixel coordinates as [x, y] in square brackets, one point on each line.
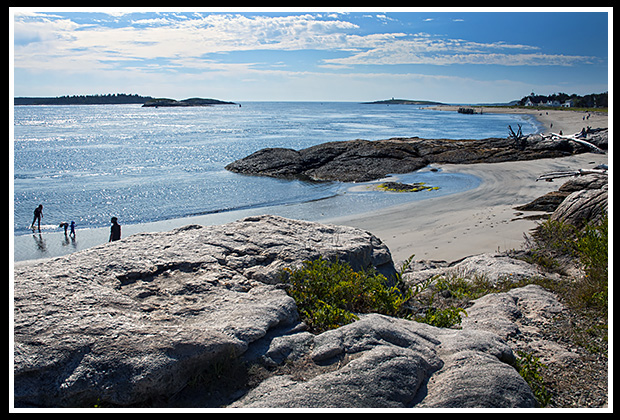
[401, 187]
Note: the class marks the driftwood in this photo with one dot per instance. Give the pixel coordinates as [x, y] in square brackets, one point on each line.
[588, 130]
[518, 137]
[521, 140]
[576, 138]
[550, 176]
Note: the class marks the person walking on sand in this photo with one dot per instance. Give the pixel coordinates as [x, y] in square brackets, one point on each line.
[72, 232]
[38, 213]
[115, 230]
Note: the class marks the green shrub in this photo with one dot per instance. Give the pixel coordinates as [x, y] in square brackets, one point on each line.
[442, 318]
[591, 248]
[328, 294]
[556, 241]
[530, 368]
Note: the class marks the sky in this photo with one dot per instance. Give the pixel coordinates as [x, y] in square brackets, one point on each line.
[445, 55]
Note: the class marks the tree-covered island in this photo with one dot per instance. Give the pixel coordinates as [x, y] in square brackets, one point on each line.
[116, 99]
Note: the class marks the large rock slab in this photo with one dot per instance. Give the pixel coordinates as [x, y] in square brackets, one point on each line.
[381, 361]
[494, 267]
[136, 319]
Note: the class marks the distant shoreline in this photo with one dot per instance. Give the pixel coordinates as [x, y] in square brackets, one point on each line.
[117, 99]
[111, 99]
[552, 120]
[156, 103]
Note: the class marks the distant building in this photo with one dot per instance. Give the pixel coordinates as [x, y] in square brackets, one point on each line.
[532, 102]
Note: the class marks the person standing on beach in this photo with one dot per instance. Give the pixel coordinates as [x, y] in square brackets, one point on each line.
[72, 226]
[38, 213]
[115, 230]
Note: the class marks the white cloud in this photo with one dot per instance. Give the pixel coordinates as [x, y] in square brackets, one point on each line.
[44, 41]
[49, 41]
[422, 48]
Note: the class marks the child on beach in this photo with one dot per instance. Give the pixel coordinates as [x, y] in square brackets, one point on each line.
[64, 225]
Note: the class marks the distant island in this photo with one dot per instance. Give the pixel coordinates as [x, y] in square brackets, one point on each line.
[401, 102]
[116, 99]
[185, 102]
[110, 99]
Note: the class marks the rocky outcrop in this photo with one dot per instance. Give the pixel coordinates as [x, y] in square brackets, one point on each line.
[494, 267]
[581, 200]
[136, 319]
[363, 160]
[552, 200]
[582, 207]
[380, 361]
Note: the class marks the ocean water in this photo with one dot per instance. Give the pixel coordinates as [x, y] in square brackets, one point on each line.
[143, 165]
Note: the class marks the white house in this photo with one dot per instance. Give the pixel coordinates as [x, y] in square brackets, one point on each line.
[550, 103]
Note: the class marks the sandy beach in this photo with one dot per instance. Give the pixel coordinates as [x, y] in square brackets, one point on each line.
[480, 220]
[475, 221]
[553, 120]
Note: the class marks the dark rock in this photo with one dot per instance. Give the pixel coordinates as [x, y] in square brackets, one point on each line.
[363, 160]
[548, 202]
[586, 182]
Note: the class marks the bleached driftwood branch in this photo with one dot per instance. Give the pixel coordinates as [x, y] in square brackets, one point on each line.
[575, 138]
[550, 176]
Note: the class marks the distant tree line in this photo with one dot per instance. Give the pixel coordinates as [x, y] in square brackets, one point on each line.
[115, 98]
[593, 100]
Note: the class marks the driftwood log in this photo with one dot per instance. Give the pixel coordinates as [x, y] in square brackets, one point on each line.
[550, 176]
[576, 139]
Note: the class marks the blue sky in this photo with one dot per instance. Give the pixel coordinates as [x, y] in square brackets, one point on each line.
[488, 55]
